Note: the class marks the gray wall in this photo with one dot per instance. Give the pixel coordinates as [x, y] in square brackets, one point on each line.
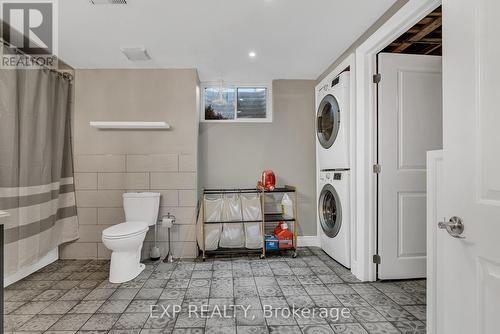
[235, 154]
[108, 163]
[387, 15]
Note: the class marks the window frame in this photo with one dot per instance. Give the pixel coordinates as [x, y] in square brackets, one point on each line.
[235, 86]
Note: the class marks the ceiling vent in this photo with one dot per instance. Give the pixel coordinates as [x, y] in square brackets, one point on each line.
[136, 53]
[108, 2]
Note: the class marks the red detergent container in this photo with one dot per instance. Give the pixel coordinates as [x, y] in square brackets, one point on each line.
[285, 237]
[268, 180]
[278, 228]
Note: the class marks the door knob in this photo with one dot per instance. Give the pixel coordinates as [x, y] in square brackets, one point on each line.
[454, 227]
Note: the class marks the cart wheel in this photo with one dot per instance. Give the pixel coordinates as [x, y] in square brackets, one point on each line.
[262, 256]
[203, 259]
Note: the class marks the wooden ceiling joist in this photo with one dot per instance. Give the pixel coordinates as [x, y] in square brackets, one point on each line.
[426, 30]
[425, 37]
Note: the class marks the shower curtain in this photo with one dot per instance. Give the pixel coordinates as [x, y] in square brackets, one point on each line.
[36, 167]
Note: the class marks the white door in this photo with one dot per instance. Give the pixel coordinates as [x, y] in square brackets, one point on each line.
[409, 125]
[468, 290]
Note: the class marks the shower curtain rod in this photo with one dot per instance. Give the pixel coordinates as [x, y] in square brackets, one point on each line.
[65, 75]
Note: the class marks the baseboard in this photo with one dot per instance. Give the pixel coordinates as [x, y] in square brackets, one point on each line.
[51, 256]
[308, 241]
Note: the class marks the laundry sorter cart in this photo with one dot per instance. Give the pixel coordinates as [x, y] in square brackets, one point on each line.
[266, 221]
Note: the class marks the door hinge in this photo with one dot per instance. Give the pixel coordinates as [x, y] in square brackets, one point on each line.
[377, 77]
[377, 168]
[376, 259]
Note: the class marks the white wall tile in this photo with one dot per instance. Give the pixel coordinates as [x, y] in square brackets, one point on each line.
[123, 181]
[99, 163]
[110, 216]
[173, 181]
[78, 250]
[87, 216]
[85, 181]
[152, 163]
[188, 198]
[187, 163]
[99, 199]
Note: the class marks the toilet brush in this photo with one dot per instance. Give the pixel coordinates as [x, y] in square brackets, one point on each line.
[154, 253]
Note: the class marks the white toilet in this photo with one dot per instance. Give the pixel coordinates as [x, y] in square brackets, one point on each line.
[125, 240]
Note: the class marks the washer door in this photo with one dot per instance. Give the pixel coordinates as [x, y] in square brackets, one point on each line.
[330, 211]
[328, 121]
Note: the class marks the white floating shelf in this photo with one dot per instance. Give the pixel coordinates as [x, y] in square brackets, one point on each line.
[129, 125]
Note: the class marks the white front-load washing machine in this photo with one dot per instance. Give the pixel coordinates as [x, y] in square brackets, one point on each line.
[332, 123]
[334, 218]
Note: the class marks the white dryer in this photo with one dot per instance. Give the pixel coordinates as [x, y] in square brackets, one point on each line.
[334, 218]
[332, 123]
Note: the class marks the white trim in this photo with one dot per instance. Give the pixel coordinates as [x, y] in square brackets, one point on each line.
[308, 241]
[51, 256]
[405, 18]
[269, 102]
[433, 159]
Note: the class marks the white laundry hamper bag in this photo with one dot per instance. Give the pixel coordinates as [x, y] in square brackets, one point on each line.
[251, 210]
[232, 235]
[213, 210]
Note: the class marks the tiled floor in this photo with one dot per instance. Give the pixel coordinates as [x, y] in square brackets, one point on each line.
[75, 296]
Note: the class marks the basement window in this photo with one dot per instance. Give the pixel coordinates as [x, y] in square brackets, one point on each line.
[239, 103]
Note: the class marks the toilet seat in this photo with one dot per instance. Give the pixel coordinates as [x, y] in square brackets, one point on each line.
[124, 230]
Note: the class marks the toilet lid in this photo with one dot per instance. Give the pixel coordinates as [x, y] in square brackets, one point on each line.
[125, 229]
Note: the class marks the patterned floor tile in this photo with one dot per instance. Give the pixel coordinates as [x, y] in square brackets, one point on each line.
[149, 293]
[222, 330]
[252, 330]
[141, 306]
[31, 308]
[101, 322]
[284, 330]
[380, 328]
[419, 311]
[131, 321]
[75, 296]
[354, 328]
[70, 322]
[114, 306]
[410, 327]
[40, 322]
[395, 313]
[14, 322]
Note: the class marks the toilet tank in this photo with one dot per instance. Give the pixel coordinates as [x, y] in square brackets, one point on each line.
[141, 207]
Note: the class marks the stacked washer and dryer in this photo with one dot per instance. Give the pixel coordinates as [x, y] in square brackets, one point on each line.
[333, 153]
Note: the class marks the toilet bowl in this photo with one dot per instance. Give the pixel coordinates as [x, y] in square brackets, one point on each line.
[125, 240]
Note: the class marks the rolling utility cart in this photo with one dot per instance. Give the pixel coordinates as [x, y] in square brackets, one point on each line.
[267, 219]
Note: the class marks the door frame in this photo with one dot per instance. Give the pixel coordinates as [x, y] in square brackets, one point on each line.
[434, 184]
[366, 129]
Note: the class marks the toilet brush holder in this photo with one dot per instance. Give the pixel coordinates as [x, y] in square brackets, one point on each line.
[154, 253]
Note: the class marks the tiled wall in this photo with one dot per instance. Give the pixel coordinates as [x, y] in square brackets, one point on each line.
[109, 163]
[100, 181]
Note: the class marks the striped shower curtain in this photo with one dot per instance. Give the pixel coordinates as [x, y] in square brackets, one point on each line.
[36, 168]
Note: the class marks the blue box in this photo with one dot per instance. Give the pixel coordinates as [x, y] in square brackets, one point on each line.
[271, 242]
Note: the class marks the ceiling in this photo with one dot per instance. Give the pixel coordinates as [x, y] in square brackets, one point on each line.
[292, 39]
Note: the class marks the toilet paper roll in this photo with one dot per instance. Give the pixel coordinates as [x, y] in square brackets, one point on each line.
[168, 222]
